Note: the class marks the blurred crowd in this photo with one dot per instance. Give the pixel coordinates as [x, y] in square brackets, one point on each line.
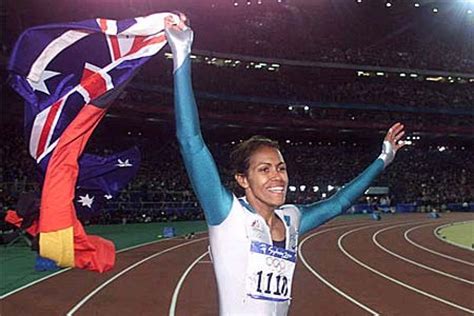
[309, 85]
[428, 174]
[354, 34]
[425, 175]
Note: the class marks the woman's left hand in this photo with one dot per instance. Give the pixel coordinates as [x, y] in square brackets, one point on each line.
[394, 136]
[392, 143]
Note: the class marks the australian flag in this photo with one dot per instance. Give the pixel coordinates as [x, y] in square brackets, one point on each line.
[69, 74]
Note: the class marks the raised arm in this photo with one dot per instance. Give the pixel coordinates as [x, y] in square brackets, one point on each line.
[200, 166]
[318, 213]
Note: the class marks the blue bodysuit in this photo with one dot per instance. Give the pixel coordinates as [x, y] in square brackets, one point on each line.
[253, 276]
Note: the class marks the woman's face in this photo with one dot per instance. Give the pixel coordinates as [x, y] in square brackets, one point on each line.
[266, 180]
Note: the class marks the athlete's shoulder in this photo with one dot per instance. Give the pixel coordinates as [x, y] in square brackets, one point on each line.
[289, 208]
[290, 212]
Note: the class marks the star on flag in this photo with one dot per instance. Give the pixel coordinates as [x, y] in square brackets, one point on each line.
[40, 85]
[86, 200]
[123, 164]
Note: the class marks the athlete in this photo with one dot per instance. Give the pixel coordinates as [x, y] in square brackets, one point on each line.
[253, 239]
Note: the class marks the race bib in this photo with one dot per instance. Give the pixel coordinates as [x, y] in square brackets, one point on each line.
[270, 272]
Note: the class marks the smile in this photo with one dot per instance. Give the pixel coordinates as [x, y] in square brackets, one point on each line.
[276, 189]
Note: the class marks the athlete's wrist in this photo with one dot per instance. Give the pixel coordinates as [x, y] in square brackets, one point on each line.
[388, 153]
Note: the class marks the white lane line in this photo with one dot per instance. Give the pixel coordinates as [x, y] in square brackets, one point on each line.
[322, 279]
[33, 283]
[414, 289]
[374, 239]
[133, 266]
[435, 232]
[431, 250]
[174, 299]
[67, 269]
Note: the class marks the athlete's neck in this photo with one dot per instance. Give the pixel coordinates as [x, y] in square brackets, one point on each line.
[262, 209]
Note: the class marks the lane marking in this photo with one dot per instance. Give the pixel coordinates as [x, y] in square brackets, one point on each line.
[174, 299]
[431, 250]
[67, 269]
[322, 279]
[33, 283]
[133, 266]
[376, 242]
[435, 232]
[396, 281]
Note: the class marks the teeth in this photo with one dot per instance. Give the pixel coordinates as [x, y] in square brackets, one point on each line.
[276, 189]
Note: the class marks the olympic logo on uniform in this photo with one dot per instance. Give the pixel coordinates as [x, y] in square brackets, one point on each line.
[275, 264]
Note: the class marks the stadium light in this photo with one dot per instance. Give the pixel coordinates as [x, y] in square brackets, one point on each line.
[388, 4]
[302, 188]
[292, 188]
[435, 10]
[315, 188]
[417, 5]
[330, 188]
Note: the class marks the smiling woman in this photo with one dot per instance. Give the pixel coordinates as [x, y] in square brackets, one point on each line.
[253, 239]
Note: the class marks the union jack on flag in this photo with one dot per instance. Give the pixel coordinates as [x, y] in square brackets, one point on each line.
[69, 74]
[59, 68]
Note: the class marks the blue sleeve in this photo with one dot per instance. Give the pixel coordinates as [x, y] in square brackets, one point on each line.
[320, 212]
[214, 198]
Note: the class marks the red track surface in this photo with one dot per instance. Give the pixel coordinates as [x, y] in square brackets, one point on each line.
[372, 282]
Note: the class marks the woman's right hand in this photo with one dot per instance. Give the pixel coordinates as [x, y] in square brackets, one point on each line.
[180, 38]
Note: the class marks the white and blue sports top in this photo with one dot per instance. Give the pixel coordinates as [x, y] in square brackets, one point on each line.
[254, 276]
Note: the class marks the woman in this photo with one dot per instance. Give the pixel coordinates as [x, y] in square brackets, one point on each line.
[253, 240]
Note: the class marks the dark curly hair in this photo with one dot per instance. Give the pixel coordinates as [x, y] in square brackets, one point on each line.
[240, 155]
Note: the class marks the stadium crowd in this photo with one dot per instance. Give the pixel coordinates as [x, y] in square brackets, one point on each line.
[319, 85]
[161, 191]
[426, 174]
[365, 33]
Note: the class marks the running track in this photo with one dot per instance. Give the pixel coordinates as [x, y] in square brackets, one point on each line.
[396, 266]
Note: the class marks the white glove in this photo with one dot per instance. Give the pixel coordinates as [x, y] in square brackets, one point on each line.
[180, 38]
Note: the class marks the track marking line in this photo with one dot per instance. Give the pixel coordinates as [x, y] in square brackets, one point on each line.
[174, 299]
[435, 232]
[34, 282]
[431, 250]
[67, 269]
[396, 281]
[376, 242]
[133, 266]
[322, 279]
